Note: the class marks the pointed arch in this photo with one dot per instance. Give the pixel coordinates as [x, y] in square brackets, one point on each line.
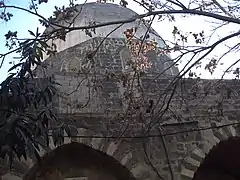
[118, 153]
[222, 161]
[77, 156]
[195, 158]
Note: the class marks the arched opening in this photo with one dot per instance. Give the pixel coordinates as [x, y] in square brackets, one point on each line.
[222, 162]
[76, 160]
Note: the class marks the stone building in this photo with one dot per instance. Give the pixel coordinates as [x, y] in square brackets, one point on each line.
[121, 145]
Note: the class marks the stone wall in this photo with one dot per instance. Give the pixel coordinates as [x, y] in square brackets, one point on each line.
[196, 104]
[167, 138]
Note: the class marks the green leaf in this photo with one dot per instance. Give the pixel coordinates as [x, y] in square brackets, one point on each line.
[49, 92]
[31, 33]
[67, 130]
[44, 44]
[15, 66]
[39, 53]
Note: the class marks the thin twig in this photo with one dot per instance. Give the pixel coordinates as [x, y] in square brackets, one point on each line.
[149, 161]
[156, 135]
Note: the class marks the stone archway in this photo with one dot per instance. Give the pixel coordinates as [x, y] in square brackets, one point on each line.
[79, 160]
[222, 162]
[120, 151]
[212, 140]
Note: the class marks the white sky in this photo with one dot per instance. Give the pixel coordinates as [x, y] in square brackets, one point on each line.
[22, 22]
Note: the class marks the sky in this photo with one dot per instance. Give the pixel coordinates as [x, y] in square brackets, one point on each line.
[22, 22]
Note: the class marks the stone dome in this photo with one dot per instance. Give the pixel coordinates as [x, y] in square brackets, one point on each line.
[99, 13]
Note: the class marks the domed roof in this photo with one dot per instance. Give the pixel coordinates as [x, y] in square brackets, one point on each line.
[98, 13]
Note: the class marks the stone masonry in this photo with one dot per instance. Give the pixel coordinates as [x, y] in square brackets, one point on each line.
[167, 141]
[195, 104]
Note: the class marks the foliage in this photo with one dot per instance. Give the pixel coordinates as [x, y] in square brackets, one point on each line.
[26, 109]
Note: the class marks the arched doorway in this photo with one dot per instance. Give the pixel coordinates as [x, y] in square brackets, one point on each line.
[222, 162]
[79, 161]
